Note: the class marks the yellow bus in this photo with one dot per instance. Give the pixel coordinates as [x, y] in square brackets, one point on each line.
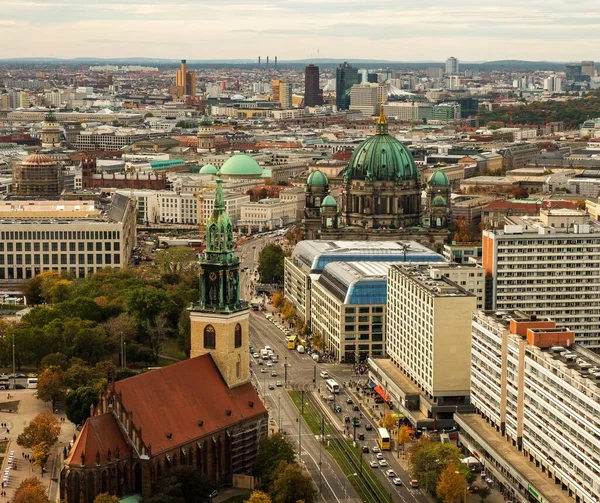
[291, 341]
[383, 438]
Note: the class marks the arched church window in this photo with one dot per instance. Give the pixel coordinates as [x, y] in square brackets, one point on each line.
[237, 336]
[209, 337]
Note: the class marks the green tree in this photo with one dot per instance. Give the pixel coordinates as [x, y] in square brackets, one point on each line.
[144, 304]
[428, 459]
[270, 264]
[182, 484]
[78, 374]
[52, 385]
[290, 484]
[451, 486]
[271, 451]
[79, 402]
[80, 307]
[32, 290]
[55, 360]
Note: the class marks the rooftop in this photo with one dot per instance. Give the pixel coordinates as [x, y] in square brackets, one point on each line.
[432, 280]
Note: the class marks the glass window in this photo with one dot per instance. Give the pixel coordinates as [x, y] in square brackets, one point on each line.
[238, 336]
[209, 337]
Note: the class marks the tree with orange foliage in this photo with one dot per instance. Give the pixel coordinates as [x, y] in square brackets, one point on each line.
[30, 490]
[451, 486]
[388, 422]
[40, 435]
[404, 436]
[277, 300]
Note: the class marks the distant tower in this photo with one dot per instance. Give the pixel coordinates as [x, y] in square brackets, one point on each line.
[438, 199]
[345, 78]
[275, 61]
[50, 131]
[267, 61]
[317, 190]
[313, 95]
[452, 66]
[219, 322]
[259, 61]
[185, 82]
[206, 135]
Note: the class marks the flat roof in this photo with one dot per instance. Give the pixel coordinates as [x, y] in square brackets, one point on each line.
[490, 438]
[431, 279]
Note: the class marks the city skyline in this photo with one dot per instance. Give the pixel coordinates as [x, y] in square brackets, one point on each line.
[229, 29]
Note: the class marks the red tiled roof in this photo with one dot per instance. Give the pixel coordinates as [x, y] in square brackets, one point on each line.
[176, 398]
[570, 205]
[99, 435]
[502, 204]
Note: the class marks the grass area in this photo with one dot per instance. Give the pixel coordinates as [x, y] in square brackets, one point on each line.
[3, 446]
[240, 498]
[171, 348]
[348, 457]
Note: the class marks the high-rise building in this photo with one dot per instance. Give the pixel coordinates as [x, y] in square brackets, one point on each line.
[313, 95]
[452, 66]
[285, 95]
[588, 68]
[365, 98]
[547, 266]
[275, 90]
[434, 72]
[553, 84]
[185, 82]
[573, 72]
[537, 397]
[345, 77]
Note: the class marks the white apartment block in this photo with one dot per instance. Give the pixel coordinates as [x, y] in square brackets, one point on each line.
[111, 138]
[365, 98]
[269, 213]
[63, 236]
[412, 111]
[538, 399]
[177, 208]
[548, 266]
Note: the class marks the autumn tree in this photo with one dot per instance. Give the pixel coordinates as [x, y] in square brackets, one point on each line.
[404, 436]
[181, 484]
[427, 459]
[389, 421]
[317, 341]
[106, 498]
[451, 486]
[288, 311]
[30, 490]
[277, 300]
[52, 385]
[258, 497]
[290, 485]
[40, 435]
[271, 451]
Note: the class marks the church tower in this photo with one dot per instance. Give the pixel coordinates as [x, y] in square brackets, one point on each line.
[50, 131]
[219, 322]
[206, 135]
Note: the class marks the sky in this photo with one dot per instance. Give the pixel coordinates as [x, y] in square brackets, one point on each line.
[394, 30]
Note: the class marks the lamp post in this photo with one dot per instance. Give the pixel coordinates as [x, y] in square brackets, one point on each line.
[14, 366]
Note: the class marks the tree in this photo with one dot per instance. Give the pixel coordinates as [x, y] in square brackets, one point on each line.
[258, 497]
[427, 460]
[52, 384]
[288, 311]
[291, 484]
[30, 490]
[317, 341]
[177, 260]
[270, 264]
[79, 402]
[277, 300]
[32, 290]
[157, 333]
[106, 498]
[40, 435]
[181, 484]
[55, 360]
[404, 435]
[483, 493]
[389, 421]
[451, 486]
[271, 451]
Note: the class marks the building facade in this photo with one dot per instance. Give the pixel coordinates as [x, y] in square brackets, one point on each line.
[313, 94]
[185, 81]
[345, 77]
[37, 176]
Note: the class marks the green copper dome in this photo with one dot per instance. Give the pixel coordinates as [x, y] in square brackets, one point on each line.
[317, 179]
[329, 202]
[241, 165]
[381, 158]
[438, 179]
[208, 169]
[439, 201]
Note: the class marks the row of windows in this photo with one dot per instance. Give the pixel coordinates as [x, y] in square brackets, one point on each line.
[210, 339]
[54, 246]
[55, 258]
[67, 235]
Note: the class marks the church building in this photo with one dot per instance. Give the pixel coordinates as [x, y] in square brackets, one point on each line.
[203, 412]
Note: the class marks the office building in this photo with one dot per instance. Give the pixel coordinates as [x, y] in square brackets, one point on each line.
[313, 95]
[434, 72]
[345, 77]
[365, 98]
[428, 340]
[588, 68]
[276, 90]
[537, 397]
[310, 257]
[573, 72]
[444, 112]
[63, 236]
[547, 266]
[348, 309]
[185, 81]
[269, 213]
[553, 84]
[409, 111]
[37, 176]
[452, 66]
[285, 95]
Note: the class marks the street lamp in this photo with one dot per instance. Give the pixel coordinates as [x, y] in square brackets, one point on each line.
[14, 367]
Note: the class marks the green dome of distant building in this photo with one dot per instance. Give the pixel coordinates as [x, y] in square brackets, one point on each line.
[317, 179]
[208, 169]
[438, 179]
[329, 202]
[241, 165]
[381, 157]
[439, 201]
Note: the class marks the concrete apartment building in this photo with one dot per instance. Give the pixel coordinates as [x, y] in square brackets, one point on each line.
[537, 397]
[366, 98]
[548, 266]
[348, 309]
[272, 213]
[428, 341]
[63, 236]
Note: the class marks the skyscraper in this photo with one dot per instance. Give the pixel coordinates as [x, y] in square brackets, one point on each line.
[313, 96]
[345, 78]
[185, 82]
[588, 68]
[452, 66]
[285, 95]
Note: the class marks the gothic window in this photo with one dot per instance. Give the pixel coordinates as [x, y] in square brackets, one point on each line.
[209, 337]
[238, 336]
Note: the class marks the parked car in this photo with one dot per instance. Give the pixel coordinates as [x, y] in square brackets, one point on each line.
[349, 401]
[356, 408]
[263, 370]
[273, 373]
[414, 484]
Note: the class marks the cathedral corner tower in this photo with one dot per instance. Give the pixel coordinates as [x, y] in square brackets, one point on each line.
[219, 322]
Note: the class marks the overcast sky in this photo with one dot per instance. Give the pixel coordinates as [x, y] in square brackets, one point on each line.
[397, 30]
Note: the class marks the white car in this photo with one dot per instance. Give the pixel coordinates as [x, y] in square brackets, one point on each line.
[383, 462]
[374, 464]
[397, 481]
[324, 374]
[254, 355]
[379, 455]
[376, 449]
[269, 364]
[390, 473]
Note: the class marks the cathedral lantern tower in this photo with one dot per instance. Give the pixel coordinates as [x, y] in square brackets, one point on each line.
[50, 131]
[438, 199]
[219, 322]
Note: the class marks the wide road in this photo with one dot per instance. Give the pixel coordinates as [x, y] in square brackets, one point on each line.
[303, 374]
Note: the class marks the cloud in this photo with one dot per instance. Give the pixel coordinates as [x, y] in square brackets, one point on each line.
[402, 30]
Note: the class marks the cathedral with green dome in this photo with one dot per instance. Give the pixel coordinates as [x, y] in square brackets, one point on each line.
[381, 196]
